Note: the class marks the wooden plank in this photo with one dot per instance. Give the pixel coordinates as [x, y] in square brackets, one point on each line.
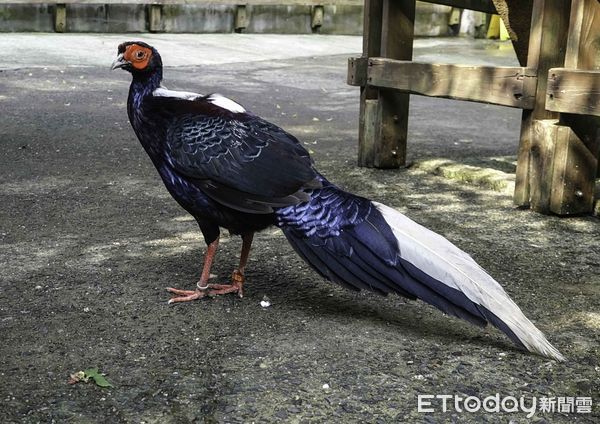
[398, 23]
[542, 161]
[486, 6]
[507, 86]
[578, 143]
[574, 171]
[372, 22]
[573, 91]
[192, 2]
[547, 44]
[60, 17]
[372, 118]
[583, 44]
[357, 71]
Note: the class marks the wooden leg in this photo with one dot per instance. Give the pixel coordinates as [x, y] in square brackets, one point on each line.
[575, 165]
[578, 142]
[396, 43]
[373, 14]
[389, 32]
[547, 43]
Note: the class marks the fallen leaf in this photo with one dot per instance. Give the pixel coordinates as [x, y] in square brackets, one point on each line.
[97, 377]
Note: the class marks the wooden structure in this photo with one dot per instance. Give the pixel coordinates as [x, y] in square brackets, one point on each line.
[557, 86]
[155, 7]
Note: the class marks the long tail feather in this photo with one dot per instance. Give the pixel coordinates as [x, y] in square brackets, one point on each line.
[366, 245]
[434, 256]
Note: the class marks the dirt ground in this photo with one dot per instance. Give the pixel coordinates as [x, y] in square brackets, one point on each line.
[90, 239]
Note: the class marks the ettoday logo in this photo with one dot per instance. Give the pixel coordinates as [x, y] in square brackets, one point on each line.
[496, 403]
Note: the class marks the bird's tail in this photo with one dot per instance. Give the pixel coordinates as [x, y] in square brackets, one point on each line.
[367, 245]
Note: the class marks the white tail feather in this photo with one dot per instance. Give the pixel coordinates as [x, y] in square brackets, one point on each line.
[440, 259]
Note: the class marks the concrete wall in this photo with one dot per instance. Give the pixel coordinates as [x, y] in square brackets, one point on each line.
[431, 20]
[203, 19]
[106, 18]
[23, 17]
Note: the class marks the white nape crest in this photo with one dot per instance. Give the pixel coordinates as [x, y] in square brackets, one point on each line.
[164, 92]
[225, 103]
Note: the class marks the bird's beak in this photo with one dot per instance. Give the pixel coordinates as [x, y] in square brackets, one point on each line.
[119, 62]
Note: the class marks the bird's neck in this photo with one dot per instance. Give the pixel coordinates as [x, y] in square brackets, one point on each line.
[143, 85]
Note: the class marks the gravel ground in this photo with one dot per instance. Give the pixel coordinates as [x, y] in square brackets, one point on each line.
[90, 239]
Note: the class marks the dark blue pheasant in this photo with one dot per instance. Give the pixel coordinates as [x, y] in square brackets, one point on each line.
[231, 169]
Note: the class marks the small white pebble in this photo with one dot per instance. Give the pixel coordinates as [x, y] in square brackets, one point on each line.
[38, 287]
[265, 303]
[325, 386]
[86, 309]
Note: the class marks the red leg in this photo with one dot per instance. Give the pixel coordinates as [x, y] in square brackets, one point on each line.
[200, 292]
[237, 277]
[205, 289]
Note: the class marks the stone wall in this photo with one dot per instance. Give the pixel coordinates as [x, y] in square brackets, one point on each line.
[431, 20]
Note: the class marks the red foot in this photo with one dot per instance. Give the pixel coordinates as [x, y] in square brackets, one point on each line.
[236, 286]
[186, 295]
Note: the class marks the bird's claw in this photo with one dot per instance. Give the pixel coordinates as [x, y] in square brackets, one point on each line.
[236, 286]
[211, 290]
[185, 295]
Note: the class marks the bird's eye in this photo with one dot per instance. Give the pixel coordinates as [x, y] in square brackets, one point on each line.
[140, 54]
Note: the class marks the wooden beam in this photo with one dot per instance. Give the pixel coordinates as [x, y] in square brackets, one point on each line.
[373, 14]
[573, 91]
[583, 44]
[547, 44]
[578, 142]
[372, 130]
[486, 6]
[397, 34]
[574, 161]
[506, 86]
[357, 71]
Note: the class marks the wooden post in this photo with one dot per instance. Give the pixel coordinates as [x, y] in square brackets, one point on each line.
[547, 44]
[373, 13]
[578, 145]
[155, 18]
[396, 43]
[575, 164]
[60, 17]
[317, 13]
[241, 18]
[388, 32]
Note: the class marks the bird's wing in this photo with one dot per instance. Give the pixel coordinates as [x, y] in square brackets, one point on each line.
[237, 158]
